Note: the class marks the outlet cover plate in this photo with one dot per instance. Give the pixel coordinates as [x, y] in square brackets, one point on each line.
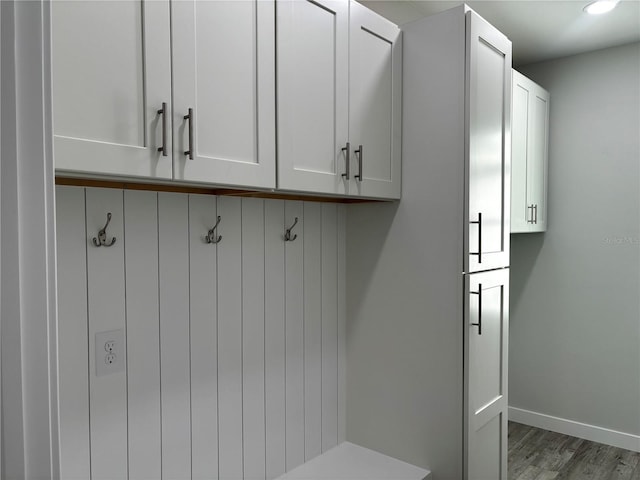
[110, 352]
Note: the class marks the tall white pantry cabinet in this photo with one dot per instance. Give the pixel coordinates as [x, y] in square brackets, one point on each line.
[428, 308]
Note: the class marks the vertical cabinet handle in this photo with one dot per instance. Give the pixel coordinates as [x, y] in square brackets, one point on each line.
[191, 120]
[479, 252]
[536, 217]
[163, 112]
[359, 153]
[347, 169]
[530, 219]
[479, 324]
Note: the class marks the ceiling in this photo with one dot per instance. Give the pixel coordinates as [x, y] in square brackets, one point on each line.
[539, 29]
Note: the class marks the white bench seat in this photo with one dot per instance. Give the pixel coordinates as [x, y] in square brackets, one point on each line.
[350, 462]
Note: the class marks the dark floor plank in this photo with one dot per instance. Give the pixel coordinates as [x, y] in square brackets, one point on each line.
[525, 452]
[558, 451]
[584, 464]
[547, 475]
[536, 454]
[628, 462]
[529, 473]
[517, 432]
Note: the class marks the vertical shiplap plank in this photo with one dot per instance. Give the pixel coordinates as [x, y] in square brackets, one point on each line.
[173, 247]
[143, 333]
[274, 338]
[73, 337]
[342, 323]
[204, 339]
[106, 307]
[312, 330]
[329, 326]
[230, 339]
[294, 337]
[253, 420]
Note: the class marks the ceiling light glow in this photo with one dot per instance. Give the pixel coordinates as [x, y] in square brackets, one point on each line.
[601, 6]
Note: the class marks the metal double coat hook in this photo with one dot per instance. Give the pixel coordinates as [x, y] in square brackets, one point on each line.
[211, 234]
[101, 240]
[287, 233]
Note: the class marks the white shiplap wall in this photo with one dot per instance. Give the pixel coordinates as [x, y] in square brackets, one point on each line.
[234, 351]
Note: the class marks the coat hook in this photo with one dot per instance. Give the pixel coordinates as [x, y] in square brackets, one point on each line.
[287, 234]
[211, 235]
[101, 241]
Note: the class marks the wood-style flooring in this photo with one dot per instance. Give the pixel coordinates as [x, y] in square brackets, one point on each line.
[536, 454]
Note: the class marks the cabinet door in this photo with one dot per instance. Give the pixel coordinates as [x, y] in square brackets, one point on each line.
[486, 350]
[111, 75]
[488, 109]
[224, 74]
[521, 209]
[538, 153]
[375, 95]
[530, 128]
[312, 94]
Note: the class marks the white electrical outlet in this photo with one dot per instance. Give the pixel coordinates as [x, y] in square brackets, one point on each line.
[109, 346]
[110, 352]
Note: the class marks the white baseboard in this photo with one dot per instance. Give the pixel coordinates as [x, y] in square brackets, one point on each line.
[576, 429]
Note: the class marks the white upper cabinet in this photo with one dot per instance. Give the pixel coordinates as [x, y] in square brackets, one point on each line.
[375, 96]
[224, 92]
[313, 97]
[111, 76]
[488, 145]
[529, 157]
[339, 93]
[186, 90]
[112, 81]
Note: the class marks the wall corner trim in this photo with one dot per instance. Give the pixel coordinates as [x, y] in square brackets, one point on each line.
[576, 429]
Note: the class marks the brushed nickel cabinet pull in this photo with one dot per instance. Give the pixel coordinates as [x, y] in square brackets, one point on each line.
[347, 169]
[163, 112]
[191, 121]
[530, 220]
[360, 154]
[479, 252]
[536, 218]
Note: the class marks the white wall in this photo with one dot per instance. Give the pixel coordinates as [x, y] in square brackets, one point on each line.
[575, 314]
[234, 351]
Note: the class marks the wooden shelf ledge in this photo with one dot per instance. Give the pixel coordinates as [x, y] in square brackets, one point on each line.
[206, 190]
